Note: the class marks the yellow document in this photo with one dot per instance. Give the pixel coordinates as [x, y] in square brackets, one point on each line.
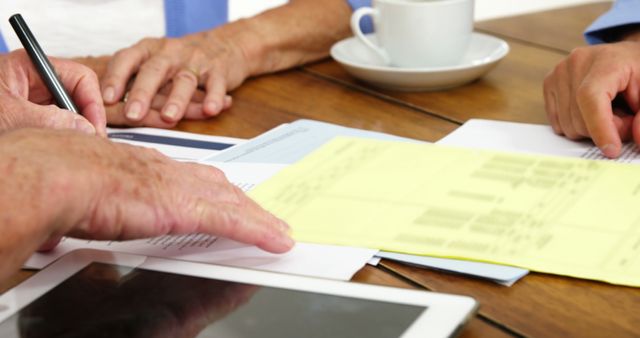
[569, 217]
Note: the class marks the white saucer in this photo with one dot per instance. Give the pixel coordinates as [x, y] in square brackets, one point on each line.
[483, 54]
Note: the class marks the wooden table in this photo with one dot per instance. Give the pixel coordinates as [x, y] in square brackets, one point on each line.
[538, 306]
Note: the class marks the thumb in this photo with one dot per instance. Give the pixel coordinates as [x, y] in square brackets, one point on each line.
[53, 117]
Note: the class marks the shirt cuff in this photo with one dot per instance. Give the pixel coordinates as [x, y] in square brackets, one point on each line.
[605, 28]
[366, 24]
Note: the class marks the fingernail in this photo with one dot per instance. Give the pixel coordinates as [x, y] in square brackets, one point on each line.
[171, 112]
[84, 126]
[212, 107]
[286, 241]
[109, 94]
[609, 150]
[134, 111]
[284, 227]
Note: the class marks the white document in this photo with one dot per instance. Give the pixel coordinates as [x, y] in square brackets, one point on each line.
[528, 138]
[324, 261]
[178, 145]
[314, 260]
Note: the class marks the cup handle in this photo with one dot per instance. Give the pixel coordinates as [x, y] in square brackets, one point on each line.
[355, 27]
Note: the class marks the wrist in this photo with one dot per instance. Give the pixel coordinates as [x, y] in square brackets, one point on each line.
[238, 41]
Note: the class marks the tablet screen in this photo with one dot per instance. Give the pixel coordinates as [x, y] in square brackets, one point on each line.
[104, 300]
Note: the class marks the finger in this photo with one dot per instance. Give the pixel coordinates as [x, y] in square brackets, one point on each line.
[577, 68]
[227, 102]
[623, 123]
[550, 104]
[216, 90]
[193, 112]
[53, 117]
[198, 95]
[83, 86]
[594, 99]
[120, 69]
[150, 78]
[185, 84]
[246, 225]
[50, 244]
[636, 129]
[116, 117]
[563, 102]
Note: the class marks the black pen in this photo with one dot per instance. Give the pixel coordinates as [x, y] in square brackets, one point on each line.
[42, 64]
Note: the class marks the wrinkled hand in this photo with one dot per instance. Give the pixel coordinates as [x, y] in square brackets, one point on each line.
[25, 101]
[201, 60]
[579, 93]
[116, 111]
[94, 188]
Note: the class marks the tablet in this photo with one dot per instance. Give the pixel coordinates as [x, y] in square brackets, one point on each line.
[90, 293]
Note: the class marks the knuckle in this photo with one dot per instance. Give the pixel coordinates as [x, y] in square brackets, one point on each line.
[187, 77]
[198, 55]
[578, 54]
[230, 221]
[125, 54]
[585, 92]
[158, 63]
[139, 93]
[571, 134]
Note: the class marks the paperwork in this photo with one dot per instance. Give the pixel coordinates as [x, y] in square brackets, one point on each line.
[289, 143]
[528, 138]
[178, 145]
[563, 216]
[314, 260]
[325, 261]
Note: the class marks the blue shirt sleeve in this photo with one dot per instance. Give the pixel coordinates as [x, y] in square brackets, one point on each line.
[622, 13]
[191, 16]
[3, 45]
[366, 24]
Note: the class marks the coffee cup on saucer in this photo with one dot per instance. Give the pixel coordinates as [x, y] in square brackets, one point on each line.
[418, 33]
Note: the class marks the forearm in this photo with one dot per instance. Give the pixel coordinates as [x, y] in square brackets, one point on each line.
[299, 32]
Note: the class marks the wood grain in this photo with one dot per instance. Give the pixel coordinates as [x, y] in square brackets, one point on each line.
[512, 91]
[542, 305]
[268, 101]
[15, 279]
[559, 29]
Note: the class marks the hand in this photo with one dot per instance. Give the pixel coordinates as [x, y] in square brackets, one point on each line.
[203, 59]
[116, 111]
[57, 183]
[25, 101]
[579, 93]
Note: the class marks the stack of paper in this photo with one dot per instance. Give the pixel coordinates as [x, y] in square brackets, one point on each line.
[563, 216]
[290, 143]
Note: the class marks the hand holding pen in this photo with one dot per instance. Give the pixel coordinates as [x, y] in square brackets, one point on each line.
[26, 98]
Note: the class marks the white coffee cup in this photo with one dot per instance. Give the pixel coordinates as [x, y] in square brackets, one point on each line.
[418, 33]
